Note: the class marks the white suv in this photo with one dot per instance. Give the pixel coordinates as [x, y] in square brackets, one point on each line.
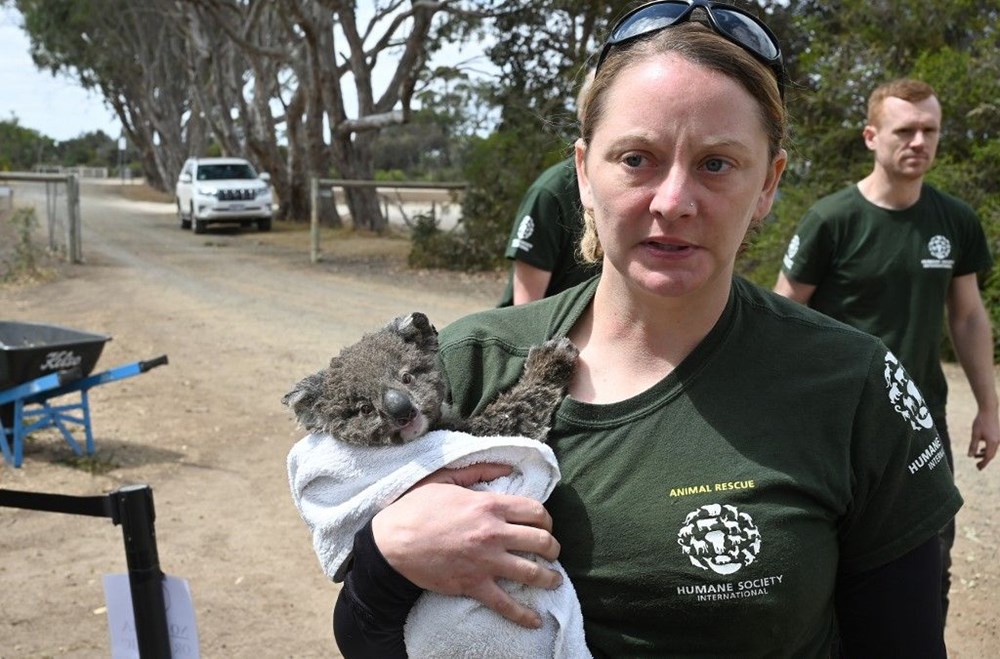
[222, 190]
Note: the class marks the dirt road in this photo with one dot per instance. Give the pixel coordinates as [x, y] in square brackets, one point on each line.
[241, 316]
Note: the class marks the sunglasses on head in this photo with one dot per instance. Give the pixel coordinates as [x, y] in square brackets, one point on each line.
[731, 23]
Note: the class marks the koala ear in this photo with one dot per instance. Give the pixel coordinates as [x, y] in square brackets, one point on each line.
[416, 328]
[302, 397]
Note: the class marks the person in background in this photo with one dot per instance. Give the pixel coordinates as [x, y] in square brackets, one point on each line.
[741, 476]
[543, 241]
[892, 255]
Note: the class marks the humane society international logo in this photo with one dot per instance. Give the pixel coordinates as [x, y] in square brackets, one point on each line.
[719, 538]
[793, 249]
[940, 248]
[904, 396]
[524, 231]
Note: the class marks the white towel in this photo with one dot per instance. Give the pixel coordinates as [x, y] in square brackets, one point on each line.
[338, 487]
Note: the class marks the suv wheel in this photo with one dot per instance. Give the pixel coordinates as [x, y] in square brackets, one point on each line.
[196, 224]
[185, 219]
[264, 225]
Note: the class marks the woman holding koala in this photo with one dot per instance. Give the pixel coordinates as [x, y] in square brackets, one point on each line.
[738, 472]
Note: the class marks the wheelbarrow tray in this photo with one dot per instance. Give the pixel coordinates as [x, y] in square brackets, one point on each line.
[32, 350]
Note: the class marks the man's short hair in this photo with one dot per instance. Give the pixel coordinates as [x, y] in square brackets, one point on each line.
[908, 89]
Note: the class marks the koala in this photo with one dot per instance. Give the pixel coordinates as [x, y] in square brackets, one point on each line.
[387, 389]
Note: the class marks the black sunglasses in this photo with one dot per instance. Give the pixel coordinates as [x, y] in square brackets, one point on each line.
[734, 24]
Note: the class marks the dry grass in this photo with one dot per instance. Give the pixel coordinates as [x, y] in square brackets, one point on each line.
[14, 272]
[341, 242]
[143, 192]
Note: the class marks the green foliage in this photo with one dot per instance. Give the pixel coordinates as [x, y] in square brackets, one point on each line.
[23, 261]
[95, 149]
[423, 149]
[444, 250]
[391, 175]
[21, 148]
[761, 261]
[499, 170]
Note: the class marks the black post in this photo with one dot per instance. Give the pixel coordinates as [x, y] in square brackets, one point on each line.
[134, 507]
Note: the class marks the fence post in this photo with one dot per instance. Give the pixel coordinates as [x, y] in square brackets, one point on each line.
[70, 233]
[51, 194]
[75, 230]
[314, 219]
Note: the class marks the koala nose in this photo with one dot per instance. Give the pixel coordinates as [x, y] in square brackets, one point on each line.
[398, 406]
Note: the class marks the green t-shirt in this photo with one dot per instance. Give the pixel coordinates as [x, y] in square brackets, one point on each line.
[708, 515]
[887, 272]
[547, 231]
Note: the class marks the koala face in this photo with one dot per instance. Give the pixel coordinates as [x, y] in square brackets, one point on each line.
[384, 389]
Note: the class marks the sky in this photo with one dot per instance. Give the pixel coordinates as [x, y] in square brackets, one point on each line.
[57, 107]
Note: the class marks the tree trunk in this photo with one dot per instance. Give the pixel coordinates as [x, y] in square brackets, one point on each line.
[355, 162]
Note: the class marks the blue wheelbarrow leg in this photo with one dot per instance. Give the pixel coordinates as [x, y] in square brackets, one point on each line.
[37, 392]
[17, 396]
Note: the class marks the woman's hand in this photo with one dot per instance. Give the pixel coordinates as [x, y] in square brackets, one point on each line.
[452, 540]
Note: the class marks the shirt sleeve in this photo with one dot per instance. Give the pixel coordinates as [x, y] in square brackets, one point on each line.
[810, 251]
[904, 492]
[976, 257]
[373, 604]
[536, 238]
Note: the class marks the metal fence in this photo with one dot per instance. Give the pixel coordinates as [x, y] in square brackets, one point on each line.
[62, 207]
[388, 191]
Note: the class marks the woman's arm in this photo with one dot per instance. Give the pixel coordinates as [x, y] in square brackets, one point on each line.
[458, 541]
[373, 604]
[449, 539]
[894, 610]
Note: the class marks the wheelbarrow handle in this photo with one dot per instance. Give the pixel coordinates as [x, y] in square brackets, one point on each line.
[152, 363]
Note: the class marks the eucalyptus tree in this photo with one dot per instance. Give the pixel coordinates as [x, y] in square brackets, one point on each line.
[131, 53]
[542, 50]
[302, 86]
[339, 73]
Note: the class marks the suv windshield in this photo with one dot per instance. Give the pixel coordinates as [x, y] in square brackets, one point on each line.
[225, 172]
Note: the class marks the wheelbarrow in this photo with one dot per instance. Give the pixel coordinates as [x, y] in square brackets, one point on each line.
[39, 363]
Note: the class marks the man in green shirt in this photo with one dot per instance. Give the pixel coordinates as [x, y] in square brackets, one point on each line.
[891, 254]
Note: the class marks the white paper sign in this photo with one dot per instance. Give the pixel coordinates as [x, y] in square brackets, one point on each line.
[181, 627]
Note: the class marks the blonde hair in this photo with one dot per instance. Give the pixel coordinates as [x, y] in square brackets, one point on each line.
[581, 96]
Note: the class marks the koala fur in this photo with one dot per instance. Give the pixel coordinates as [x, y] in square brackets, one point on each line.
[387, 389]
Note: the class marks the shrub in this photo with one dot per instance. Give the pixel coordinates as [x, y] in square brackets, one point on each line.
[23, 258]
